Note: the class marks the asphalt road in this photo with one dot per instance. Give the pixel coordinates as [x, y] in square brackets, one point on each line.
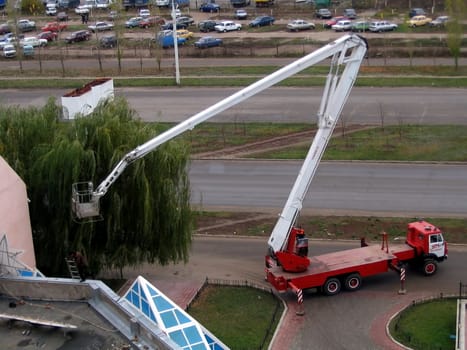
[339, 188]
[346, 321]
[364, 106]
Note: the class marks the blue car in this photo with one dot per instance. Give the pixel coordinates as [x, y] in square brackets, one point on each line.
[208, 41]
[209, 7]
[262, 21]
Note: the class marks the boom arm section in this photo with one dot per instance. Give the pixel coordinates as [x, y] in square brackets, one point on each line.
[85, 201]
[288, 244]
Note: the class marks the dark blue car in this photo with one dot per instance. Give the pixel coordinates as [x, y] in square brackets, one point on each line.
[262, 21]
[209, 7]
[208, 41]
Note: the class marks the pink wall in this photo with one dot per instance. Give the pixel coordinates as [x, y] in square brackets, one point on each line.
[14, 215]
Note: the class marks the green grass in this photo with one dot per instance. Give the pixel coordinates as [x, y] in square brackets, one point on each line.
[395, 143]
[215, 136]
[427, 326]
[241, 317]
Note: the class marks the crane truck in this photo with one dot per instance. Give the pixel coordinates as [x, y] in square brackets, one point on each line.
[287, 263]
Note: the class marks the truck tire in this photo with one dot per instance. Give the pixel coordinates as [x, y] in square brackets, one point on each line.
[332, 286]
[430, 267]
[353, 282]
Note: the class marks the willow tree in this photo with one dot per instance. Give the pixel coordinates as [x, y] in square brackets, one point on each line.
[147, 215]
[457, 12]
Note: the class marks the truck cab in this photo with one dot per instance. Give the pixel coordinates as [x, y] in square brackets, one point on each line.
[427, 240]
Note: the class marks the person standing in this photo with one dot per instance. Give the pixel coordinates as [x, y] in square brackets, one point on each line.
[81, 264]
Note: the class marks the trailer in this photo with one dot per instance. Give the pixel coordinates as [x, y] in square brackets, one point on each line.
[424, 248]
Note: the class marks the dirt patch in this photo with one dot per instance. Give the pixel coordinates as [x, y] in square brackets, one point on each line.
[322, 227]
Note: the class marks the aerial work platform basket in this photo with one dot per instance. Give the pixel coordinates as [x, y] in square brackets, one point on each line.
[84, 204]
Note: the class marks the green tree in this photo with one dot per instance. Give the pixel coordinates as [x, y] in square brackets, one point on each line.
[147, 214]
[32, 7]
[457, 12]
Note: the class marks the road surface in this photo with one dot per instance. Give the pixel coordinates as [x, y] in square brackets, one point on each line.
[346, 321]
[285, 105]
[339, 188]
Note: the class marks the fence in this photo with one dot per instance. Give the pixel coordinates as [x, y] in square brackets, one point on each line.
[462, 290]
[247, 284]
[406, 337]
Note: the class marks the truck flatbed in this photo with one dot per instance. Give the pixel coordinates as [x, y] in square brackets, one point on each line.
[365, 261]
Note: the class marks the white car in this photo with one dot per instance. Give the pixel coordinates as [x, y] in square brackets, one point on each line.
[227, 26]
[81, 10]
[33, 41]
[300, 24]
[101, 27]
[9, 51]
[342, 26]
[51, 9]
[382, 26]
[144, 13]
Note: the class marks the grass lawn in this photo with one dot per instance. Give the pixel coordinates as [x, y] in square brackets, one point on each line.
[391, 143]
[427, 326]
[241, 317]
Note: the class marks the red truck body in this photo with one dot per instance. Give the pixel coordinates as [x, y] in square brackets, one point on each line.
[348, 267]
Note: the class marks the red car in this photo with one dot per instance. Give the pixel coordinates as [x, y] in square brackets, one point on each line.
[332, 21]
[49, 36]
[151, 22]
[54, 27]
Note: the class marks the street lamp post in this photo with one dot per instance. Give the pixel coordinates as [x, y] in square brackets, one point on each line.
[174, 33]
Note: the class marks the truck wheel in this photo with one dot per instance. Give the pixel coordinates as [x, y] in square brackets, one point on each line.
[332, 286]
[430, 267]
[353, 282]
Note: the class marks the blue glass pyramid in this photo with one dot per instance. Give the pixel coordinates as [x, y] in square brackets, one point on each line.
[174, 321]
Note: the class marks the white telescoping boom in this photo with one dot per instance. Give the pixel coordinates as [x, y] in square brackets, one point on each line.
[347, 51]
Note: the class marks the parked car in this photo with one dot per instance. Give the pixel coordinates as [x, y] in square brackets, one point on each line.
[7, 41]
[25, 25]
[80, 35]
[329, 23]
[5, 28]
[418, 21]
[323, 14]
[342, 26]
[9, 51]
[207, 41]
[51, 9]
[133, 22]
[262, 21]
[227, 26]
[185, 20]
[360, 26]
[166, 40]
[112, 15]
[207, 26]
[144, 13]
[82, 10]
[151, 22]
[62, 17]
[417, 11]
[33, 41]
[28, 51]
[350, 13]
[210, 7]
[101, 27]
[185, 33]
[170, 26]
[300, 24]
[108, 41]
[241, 14]
[439, 21]
[382, 26]
[48, 35]
[54, 27]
